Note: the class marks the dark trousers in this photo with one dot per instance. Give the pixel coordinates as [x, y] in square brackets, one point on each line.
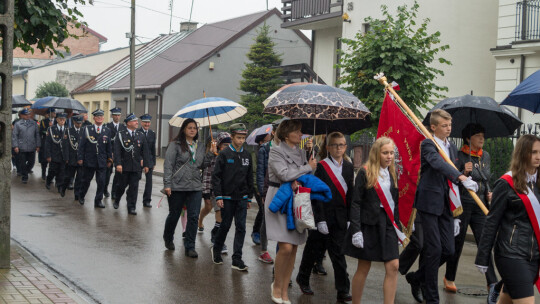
[15, 160]
[147, 194]
[108, 179]
[259, 217]
[236, 209]
[409, 255]
[438, 234]
[26, 163]
[88, 175]
[317, 243]
[126, 179]
[472, 215]
[71, 172]
[178, 199]
[57, 170]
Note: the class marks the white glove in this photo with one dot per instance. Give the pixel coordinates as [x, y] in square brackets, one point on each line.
[470, 184]
[322, 227]
[358, 240]
[348, 224]
[482, 269]
[413, 227]
[456, 226]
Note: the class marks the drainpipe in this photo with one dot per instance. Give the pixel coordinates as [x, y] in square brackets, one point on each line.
[160, 135]
[24, 74]
[521, 76]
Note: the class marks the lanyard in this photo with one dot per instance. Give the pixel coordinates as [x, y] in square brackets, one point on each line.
[192, 150]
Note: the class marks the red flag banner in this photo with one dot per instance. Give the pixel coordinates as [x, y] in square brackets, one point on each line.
[394, 124]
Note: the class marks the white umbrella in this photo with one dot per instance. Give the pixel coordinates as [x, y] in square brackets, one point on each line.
[209, 111]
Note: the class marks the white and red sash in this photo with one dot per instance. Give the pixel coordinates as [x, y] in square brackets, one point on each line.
[532, 205]
[386, 197]
[337, 179]
[454, 198]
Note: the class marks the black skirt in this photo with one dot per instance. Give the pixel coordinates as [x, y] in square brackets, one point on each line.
[380, 241]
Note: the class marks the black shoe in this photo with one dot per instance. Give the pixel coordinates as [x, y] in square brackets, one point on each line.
[192, 253]
[239, 265]
[76, 197]
[62, 191]
[319, 269]
[169, 245]
[81, 200]
[43, 176]
[132, 211]
[344, 297]
[115, 204]
[216, 258]
[147, 204]
[106, 194]
[416, 289]
[48, 185]
[306, 289]
[113, 197]
[98, 204]
[493, 294]
[70, 186]
[24, 181]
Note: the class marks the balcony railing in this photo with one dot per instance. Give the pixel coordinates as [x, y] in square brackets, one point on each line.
[528, 20]
[299, 73]
[296, 12]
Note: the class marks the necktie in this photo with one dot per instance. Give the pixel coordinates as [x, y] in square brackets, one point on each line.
[98, 129]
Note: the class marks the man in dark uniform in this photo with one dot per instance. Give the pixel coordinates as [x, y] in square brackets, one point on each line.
[73, 168]
[131, 155]
[95, 155]
[56, 153]
[44, 125]
[150, 137]
[114, 126]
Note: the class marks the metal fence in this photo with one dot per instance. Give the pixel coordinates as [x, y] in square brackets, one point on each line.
[528, 20]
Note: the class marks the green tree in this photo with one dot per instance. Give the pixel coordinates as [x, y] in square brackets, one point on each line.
[403, 51]
[45, 24]
[52, 88]
[260, 78]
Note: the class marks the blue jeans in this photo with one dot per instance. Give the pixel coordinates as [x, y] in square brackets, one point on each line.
[177, 200]
[237, 210]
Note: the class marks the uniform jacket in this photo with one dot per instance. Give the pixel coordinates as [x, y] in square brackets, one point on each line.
[43, 127]
[366, 204]
[73, 137]
[129, 150]
[113, 130]
[95, 149]
[189, 178]
[432, 191]
[232, 177]
[25, 135]
[337, 211]
[151, 141]
[56, 145]
[479, 164]
[507, 227]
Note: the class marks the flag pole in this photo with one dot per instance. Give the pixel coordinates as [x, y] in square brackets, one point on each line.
[382, 80]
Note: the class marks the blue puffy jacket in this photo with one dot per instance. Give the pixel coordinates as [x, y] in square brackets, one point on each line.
[283, 200]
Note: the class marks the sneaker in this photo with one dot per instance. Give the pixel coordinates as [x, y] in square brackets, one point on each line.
[239, 265]
[319, 269]
[200, 230]
[224, 250]
[266, 258]
[216, 258]
[256, 238]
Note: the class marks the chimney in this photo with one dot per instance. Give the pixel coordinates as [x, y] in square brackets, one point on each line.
[188, 26]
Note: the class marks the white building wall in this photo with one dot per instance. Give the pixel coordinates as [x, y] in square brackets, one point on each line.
[325, 53]
[506, 29]
[469, 27]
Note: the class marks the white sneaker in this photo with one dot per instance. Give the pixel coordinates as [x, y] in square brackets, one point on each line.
[224, 250]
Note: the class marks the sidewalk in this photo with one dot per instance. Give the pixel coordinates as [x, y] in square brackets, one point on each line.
[28, 281]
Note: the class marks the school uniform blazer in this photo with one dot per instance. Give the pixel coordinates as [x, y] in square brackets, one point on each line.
[432, 191]
[336, 211]
[366, 204]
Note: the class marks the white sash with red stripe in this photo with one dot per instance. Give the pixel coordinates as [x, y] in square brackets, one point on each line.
[532, 205]
[386, 197]
[337, 179]
[454, 198]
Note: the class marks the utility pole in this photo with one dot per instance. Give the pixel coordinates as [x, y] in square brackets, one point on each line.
[6, 22]
[170, 19]
[132, 61]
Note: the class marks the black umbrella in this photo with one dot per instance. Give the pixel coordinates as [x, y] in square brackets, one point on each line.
[65, 103]
[320, 108]
[497, 120]
[19, 101]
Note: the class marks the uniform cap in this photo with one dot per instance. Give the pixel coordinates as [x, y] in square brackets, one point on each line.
[51, 110]
[130, 117]
[24, 111]
[116, 111]
[146, 117]
[77, 118]
[98, 112]
[61, 115]
[238, 128]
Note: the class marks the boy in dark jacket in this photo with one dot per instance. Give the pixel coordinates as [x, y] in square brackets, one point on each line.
[232, 182]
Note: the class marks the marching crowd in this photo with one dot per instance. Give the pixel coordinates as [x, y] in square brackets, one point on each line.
[356, 214]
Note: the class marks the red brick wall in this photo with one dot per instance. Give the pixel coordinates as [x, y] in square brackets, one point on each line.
[86, 44]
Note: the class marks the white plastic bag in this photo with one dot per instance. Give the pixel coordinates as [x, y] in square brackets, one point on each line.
[303, 213]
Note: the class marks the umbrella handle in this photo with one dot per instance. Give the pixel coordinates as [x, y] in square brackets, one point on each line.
[210, 125]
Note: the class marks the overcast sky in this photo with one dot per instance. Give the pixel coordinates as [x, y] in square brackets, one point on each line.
[111, 18]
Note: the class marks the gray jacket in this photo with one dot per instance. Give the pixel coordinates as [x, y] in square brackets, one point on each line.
[25, 135]
[189, 178]
[286, 164]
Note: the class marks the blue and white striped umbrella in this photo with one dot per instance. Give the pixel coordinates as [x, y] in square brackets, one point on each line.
[209, 111]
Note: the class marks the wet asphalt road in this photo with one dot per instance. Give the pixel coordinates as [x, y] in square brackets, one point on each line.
[111, 257]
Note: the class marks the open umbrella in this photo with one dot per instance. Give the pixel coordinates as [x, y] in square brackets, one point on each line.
[19, 101]
[208, 111]
[39, 103]
[258, 134]
[321, 108]
[65, 103]
[526, 95]
[497, 120]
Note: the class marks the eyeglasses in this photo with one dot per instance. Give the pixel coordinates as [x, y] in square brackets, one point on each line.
[340, 146]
